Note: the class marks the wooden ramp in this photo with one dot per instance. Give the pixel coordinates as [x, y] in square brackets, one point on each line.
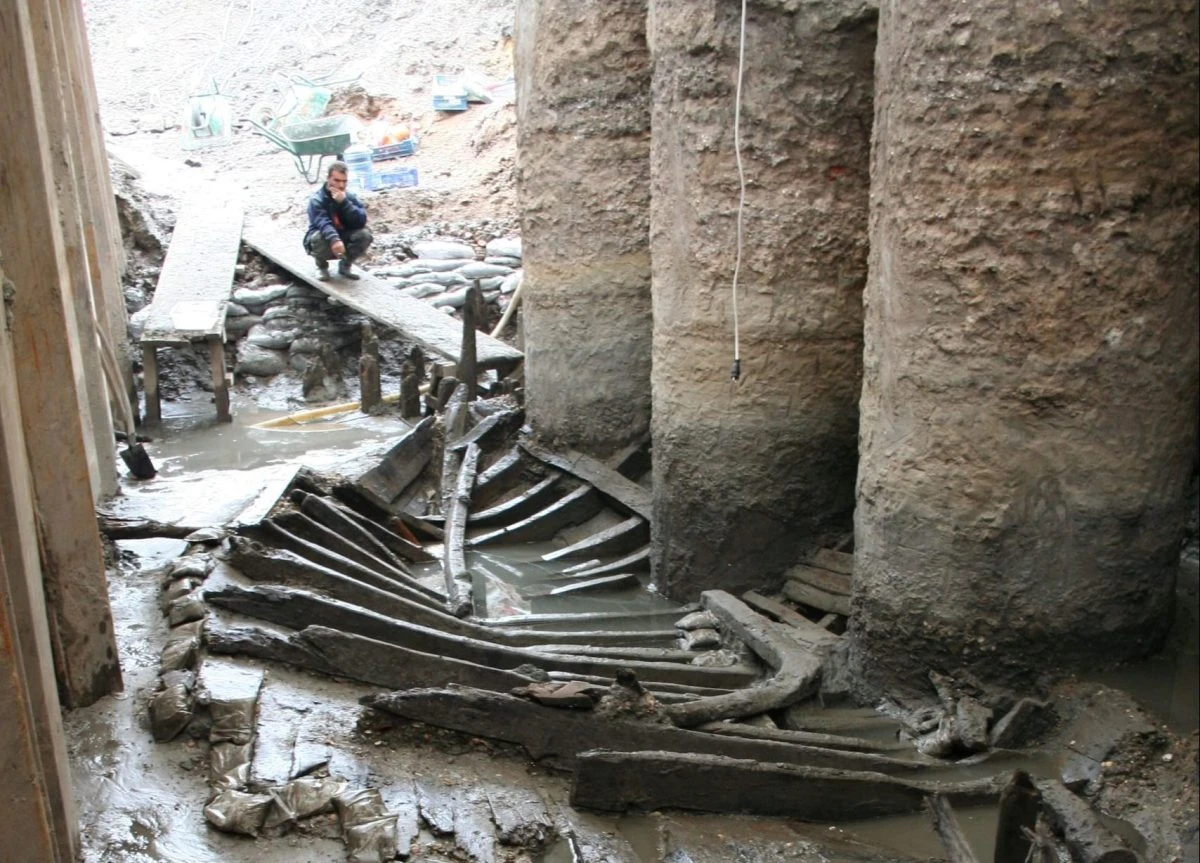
[417, 321]
[192, 295]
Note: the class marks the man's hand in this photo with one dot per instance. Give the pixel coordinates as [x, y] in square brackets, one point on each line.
[338, 195]
[338, 248]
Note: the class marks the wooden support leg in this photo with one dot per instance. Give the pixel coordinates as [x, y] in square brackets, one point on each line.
[216, 353]
[150, 383]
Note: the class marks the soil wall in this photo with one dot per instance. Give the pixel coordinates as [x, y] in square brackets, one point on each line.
[1029, 407]
[583, 88]
[750, 474]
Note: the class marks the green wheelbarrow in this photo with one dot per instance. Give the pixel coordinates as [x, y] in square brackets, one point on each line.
[312, 139]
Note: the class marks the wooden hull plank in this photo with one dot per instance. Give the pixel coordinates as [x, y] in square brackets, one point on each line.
[624, 491]
[558, 736]
[538, 497]
[400, 465]
[573, 508]
[621, 538]
[617, 781]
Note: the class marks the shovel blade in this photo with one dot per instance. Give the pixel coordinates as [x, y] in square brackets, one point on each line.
[138, 461]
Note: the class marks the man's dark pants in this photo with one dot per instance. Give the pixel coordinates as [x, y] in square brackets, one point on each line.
[356, 243]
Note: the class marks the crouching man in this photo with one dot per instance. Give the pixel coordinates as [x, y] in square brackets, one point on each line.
[337, 225]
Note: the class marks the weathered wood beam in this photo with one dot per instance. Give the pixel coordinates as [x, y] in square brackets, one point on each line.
[607, 481]
[1088, 840]
[1019, 805]
[558, 736]
[331, 541]
[407, 526]
[805, 630]
[805, 594]
[536, 498]
[400, 465]
[616, 781]
[454, 561]
[813, 738]
[297, 609]
[833, 560]
[825, 580]
[657, 688]
[466, 370]
[573, 508]
[66, 161]
[122, 527]
[621, 538]
[637, 561]
[655, 654]
[797, 669]
[500, 477]
[571, 618]
[46, 353]
[945, 824]
[401, 546]
[271, 565]
[39, 817]
[484, 427]
[319, 509]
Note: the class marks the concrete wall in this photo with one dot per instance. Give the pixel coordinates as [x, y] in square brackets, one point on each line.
[1030, 397]
[749, 475]
[583, 86]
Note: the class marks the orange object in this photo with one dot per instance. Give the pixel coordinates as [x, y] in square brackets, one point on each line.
[399, 132]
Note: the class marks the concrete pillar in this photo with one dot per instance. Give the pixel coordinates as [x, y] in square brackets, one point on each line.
[41, 314]
[750, 475]
[583, 88]
[1030, 374]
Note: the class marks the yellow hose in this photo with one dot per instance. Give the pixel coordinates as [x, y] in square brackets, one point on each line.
[301, 417]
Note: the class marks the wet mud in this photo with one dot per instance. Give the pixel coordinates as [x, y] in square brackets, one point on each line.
[142, 801]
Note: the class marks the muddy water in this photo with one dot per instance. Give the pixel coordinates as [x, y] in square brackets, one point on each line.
[141, 801]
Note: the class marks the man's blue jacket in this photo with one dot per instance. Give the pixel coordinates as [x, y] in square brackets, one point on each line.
[332, 220]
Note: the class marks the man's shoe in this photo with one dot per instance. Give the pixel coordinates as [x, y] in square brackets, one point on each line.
[344, 270]
[322, 271]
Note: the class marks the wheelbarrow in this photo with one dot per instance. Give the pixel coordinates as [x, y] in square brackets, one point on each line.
[312, 139]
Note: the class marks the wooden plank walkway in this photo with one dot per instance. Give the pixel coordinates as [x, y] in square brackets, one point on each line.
[192, 295]
[415, 320]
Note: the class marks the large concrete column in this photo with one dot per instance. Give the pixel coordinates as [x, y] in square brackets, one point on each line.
[583, 88]
[750, 475]
[1030, 374]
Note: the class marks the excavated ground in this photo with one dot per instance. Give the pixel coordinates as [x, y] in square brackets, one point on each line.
[142, 801]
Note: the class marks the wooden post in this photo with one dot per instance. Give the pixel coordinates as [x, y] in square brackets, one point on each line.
[410, 391]
[216, 362]
[150, 383]
[947, 829]
[105, 251]
[63, 140]
[466, 362]
[370, 395]
[42, 334]
[1019, 803]
[38, 820]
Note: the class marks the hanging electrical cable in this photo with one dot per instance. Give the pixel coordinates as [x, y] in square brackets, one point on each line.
[736, 371]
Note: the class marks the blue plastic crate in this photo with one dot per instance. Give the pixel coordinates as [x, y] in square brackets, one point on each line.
[391, 151]
[450, 103]
[393, 177]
